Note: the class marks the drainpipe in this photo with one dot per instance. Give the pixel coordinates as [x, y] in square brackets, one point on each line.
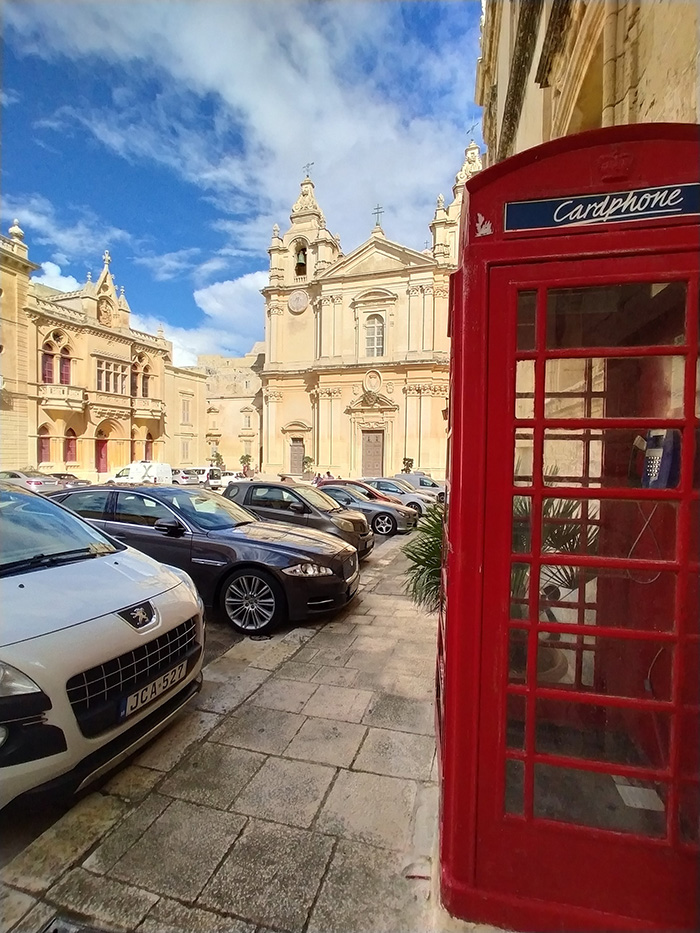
[609, 61]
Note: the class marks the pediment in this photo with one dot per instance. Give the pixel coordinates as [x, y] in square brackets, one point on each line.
[378, 255]
[372, 401]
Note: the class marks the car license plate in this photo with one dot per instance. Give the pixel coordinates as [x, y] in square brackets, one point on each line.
[153, 690]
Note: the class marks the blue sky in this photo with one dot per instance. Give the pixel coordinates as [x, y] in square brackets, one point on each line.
[174, 135]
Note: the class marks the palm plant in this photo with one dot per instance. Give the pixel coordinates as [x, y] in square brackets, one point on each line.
[424, 552]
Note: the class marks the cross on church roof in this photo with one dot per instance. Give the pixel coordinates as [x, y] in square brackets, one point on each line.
[307, 169]
[106, 258]
[378, 211]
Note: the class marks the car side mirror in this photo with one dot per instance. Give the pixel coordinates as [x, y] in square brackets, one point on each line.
[297, 507]
[169, 526]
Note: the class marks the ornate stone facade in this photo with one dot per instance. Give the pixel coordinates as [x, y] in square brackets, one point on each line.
[356, 346]
[82, 391]
[553, 67]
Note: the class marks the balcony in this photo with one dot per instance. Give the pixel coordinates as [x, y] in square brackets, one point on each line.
[62, 398]
[147, 408]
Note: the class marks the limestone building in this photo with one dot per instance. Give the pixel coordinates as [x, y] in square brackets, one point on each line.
[234, 406]
[549, 68]
[82, 391]
[356, 346]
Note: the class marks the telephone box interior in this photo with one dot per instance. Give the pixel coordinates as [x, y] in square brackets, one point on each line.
[568, 644]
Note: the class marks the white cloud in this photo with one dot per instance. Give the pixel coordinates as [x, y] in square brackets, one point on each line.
[381, 113]
[169, 265]
[51, 276]
[71, 238]
[9, 97]
[234, 315]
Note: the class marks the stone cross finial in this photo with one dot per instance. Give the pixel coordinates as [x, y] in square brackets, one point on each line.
[89, 276]
[307, 168]
[16, 231]
[378, 211]
[106, 258]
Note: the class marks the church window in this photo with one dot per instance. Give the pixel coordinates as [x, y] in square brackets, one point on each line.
[47, 364]
[145, 380]
[186, 415]
[374, 335]
[108, 377]
[43, 445]
[246, 421]
[70, 451]
[64, 367]
[100, 375]
[300, 261]
[134, 381]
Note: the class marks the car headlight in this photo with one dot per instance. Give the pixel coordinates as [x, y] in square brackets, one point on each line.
[14, 683]
[308, 570]
[187, 580]
[343, 524]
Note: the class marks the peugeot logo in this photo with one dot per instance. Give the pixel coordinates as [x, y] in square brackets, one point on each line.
[140, 615]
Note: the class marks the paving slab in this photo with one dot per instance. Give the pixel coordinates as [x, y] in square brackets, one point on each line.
[425, 821]
[224, 668]
[337, 641]
[133, 783]
[13, 906]
[180, 850]
[169, 916]
[296, 670]
[364, 890]
[326, 741]
[369, 660]
[405, 715]
[286, 791]
[213, 775]
[271, 876]
[336, 676]
[222, 696]
[345, 703]
[259, 729]
[169, 748]
[287, 695]
[43, 862]
[35, 921]
[399, 754]
[371, 808]
[331, 656]
[104, 900]
[125, 834]
[306, 655]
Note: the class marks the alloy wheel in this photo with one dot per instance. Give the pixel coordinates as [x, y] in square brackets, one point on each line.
[384, 524]
[250, 603]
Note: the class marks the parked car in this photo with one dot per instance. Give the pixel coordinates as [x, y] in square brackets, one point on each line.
[30, 479]
[100, 647]
[423, 483]
[258, 573]
[143, 471]
[385, 518]
[185, 477]
[420, 501]
[369, 491]
[303, 504]
[208, 476]
[70, 480]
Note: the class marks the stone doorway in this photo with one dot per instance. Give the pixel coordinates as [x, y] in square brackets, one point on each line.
[296, 455]
[372, 453]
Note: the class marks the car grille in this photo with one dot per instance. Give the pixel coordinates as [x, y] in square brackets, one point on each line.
[349, 567]
[94, 693]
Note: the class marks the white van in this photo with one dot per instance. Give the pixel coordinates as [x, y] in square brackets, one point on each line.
[208, 476]
[143, 471]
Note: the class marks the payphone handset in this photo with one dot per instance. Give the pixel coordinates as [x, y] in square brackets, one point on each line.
[661, 459]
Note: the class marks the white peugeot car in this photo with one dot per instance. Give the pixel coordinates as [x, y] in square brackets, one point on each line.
[100, 647]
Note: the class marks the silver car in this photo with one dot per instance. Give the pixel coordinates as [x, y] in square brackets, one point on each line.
[385, 518]
[31, 479]
[420, 501]
[424, 483]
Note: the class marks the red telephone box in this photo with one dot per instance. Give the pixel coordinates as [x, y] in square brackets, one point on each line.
[567, 676]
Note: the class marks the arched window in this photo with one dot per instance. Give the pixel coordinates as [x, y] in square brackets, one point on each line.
[133, 445]
[47, 353]
[64, 367]
[145, 380]
[300, 260]
[149, 447]
[43, 453]
[70, 447]
[374, 335]
[101, 455]
[134, 380]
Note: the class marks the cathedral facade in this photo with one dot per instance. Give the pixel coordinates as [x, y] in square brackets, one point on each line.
[356, 367]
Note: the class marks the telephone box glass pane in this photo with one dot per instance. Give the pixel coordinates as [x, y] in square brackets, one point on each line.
[602, 733]
[515, 725]
[522, 461]
[519, 590]
[629, 315]
[527, 304]
[689, 814]
[612, 387]
[517, 655]
[522, 524]
[515, 781]
[603, 801]
[630, 599]
[525, 389]
[612, 457]
[625, 528]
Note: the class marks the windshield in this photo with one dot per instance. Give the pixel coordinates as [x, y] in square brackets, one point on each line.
[33, 528]
[358, 493]
[402, 484]
[317, 498]
[207, 510]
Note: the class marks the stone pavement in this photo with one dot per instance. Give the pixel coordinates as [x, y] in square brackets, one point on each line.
[297, 794]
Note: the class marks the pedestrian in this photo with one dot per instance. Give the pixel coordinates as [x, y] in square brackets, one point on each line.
[329, 475]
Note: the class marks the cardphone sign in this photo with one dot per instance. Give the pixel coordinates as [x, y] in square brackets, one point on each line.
[612, 207]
